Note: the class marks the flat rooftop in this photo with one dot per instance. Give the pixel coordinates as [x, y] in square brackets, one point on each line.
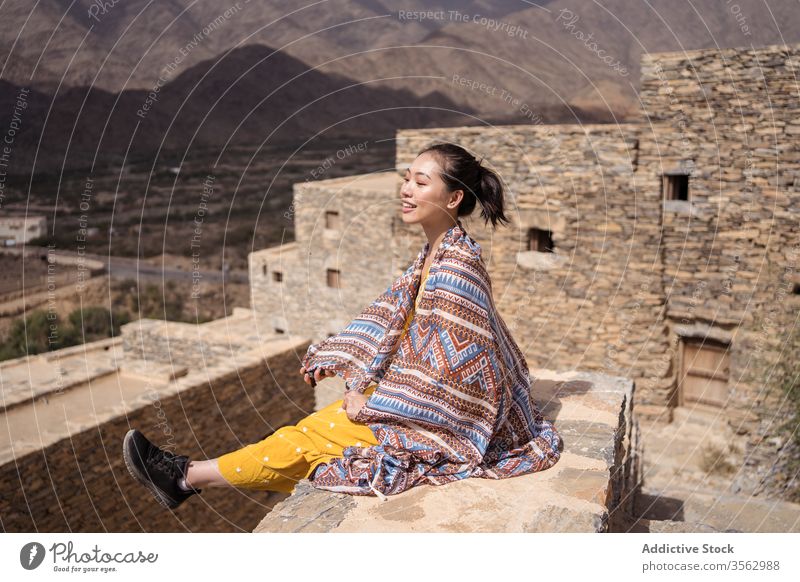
[377, 181]
[49, 397]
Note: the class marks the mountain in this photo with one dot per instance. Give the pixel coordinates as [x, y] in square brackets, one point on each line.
[553, 57]
[252, 71]
[250, 95]
[125, 44]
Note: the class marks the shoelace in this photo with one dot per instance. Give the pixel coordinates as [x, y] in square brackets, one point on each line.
[163, 460]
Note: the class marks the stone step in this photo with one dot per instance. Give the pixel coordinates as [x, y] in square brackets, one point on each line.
[667, 526]
[159, 372]
[723, 512]
[705, 420]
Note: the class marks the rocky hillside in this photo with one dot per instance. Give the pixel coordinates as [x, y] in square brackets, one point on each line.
[128, 78]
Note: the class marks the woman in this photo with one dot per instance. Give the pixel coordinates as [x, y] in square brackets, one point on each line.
[437, 389]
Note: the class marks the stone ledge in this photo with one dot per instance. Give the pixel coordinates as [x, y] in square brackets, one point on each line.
[196, 345]
[590, 489]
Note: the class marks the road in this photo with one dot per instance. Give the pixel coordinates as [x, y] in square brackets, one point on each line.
[125, 267]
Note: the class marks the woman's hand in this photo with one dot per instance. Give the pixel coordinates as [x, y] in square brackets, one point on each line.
[319, 374]
[353, 402]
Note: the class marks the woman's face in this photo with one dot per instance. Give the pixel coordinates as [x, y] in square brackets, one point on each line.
[424, 196]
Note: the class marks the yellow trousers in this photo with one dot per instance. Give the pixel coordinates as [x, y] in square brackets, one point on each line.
[292, 453]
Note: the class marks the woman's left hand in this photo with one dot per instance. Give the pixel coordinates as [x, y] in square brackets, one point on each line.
[353, 402]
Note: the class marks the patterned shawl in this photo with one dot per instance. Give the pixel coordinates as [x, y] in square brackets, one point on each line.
[452, 399]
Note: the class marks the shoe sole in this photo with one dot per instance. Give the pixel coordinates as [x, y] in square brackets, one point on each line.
[165, 501]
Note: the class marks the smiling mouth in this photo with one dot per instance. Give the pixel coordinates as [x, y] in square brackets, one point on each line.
[409, 205]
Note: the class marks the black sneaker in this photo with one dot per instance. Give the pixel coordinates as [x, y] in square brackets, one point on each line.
[156, 469]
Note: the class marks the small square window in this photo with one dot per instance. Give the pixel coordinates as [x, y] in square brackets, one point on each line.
[332, 219]
[796, 289]
[280, 330]
[675, 187]
[277, 276]
[540, 240]
[333, 278]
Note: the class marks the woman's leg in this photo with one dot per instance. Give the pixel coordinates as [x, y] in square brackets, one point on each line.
[201, 474]
[275, 463]
[285, 457]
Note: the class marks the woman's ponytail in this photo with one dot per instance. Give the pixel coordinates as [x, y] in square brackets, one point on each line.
[491, 196]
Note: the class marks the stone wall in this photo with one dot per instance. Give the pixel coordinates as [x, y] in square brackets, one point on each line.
[731, 120]
[190, 345]
[81, 484]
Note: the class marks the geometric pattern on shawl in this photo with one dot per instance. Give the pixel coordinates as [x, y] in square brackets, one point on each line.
[452, 399]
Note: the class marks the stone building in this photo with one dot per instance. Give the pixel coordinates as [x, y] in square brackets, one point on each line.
[15, 230]
[663, 250]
